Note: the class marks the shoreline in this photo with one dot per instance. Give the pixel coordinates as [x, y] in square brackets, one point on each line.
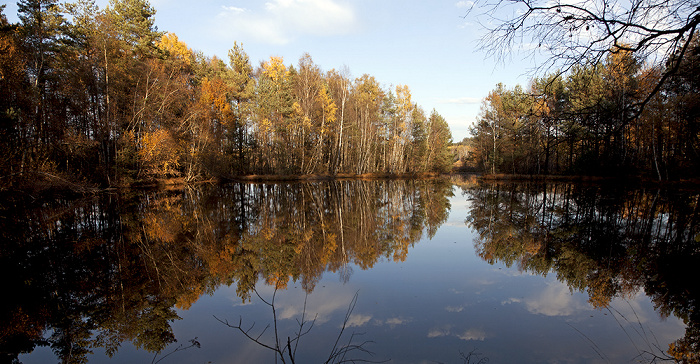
[55, 185]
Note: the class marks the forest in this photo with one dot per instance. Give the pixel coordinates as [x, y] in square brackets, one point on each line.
[620, 116]
[101, 97]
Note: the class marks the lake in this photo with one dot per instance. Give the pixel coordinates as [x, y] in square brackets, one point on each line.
[401, 271]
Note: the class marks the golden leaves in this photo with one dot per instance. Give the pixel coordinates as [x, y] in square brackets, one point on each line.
[328, 107]
[158, 153]
[275, 69]
[177, 49]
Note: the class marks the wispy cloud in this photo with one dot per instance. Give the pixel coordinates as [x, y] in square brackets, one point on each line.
[439, 332]
[473, 334]
[282, 21]
[358, 320]
[232, 10]
[396, 321]
[468, 335]
[555, 300]
[511, 300]
[454, 308]
[323, 307]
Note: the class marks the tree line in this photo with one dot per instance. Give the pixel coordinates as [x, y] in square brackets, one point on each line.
[616, 116]
[103, 96]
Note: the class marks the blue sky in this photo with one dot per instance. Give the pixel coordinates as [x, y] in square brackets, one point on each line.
[428, 45]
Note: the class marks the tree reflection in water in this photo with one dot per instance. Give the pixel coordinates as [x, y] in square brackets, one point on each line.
[606, 240]
[98, 272]
[113, 268]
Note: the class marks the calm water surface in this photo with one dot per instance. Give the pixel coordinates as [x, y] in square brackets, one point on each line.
[426, 271]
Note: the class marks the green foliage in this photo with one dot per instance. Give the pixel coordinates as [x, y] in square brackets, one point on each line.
[134, 23]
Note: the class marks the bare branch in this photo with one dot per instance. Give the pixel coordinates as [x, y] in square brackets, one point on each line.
[578, 33]
[193, 344]
[338, 354]
[584, 32]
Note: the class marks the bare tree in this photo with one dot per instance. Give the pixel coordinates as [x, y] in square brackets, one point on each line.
[573, 33]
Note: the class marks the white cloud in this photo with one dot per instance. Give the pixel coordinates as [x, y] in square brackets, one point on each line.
[232, 10]
[439, 332]
[396, 321]
[358, 320]
[473, 334]
[282, 21]
[555, 300]
[321, 307]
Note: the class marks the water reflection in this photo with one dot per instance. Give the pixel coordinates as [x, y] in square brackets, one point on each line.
[102, 271]
[608, 241]
[95, 274]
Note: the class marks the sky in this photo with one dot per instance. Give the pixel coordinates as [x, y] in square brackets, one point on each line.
[430, 46]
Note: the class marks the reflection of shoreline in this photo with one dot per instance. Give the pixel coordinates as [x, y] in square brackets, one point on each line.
[604, 240]
[110, 269]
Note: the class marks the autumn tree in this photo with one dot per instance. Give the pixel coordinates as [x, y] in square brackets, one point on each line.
[367, 97]
[328, 110]
[339, 88]
[307, 82]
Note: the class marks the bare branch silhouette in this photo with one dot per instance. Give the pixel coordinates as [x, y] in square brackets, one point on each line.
[286, 351]
[583, 33]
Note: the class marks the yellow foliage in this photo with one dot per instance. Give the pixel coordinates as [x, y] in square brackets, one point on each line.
[327, 106]
[275, 68]
[278, 280]
[177, 49]
[532, 246]
[11, 62]
[541, 107]
[621, 65]
[158, 229]
[600, 291]
[189, 297]
[299, 113]
[213, 95]
[403, 96]
[683, 352]
[158, 153]
[308, 235]
[329, 248]
[267, 233]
